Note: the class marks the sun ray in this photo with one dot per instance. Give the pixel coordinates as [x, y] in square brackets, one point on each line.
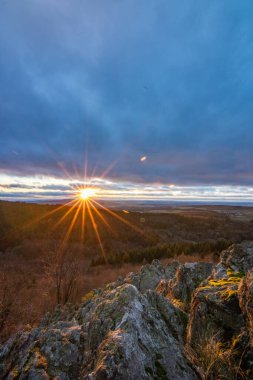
[60, 164]
[66, 214]
[110, 167]
[94, 171]
[83, 220]
[97, 233]
[66, 237]
[85, 167]
[77, 174]
[101, 217]
[70, 228]
[137, 229]
[89, 209]
[65, 171]
[39, 219]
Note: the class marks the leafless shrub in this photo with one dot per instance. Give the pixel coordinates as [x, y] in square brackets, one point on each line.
[6, 300]
[63, 270]
[10, 288]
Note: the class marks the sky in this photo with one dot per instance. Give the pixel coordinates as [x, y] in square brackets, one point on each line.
[100, 84]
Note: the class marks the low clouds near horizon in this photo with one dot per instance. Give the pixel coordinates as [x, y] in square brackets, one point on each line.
[115, 80]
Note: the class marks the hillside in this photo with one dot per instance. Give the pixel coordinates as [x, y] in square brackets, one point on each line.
[181, 321]
[32, 236]
[20, 222]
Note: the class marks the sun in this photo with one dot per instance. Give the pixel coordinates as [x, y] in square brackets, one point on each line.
[86, 193]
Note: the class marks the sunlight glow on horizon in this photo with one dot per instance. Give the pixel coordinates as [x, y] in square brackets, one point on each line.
[86, 193]
[28, 188]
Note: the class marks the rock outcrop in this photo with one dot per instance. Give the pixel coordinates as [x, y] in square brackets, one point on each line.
[221, 311]
[186, 321]
[125, 331]
[246, 302]
[187, 278]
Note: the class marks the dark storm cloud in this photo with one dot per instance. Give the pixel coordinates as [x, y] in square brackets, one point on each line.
[120, 79]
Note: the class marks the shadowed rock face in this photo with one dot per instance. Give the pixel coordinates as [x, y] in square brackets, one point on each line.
[135, 328]
[222, 306]
[246, 302]
[187, 279]
[237, 258]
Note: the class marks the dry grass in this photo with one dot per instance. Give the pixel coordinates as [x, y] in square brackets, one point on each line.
[214, 360]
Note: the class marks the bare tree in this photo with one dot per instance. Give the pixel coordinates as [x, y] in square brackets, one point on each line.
[63, 269]
[9, 290]
[5, 301]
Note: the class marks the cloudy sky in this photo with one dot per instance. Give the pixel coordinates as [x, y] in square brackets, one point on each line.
[109, 81]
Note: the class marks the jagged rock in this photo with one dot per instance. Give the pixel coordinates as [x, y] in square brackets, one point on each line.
[246, 302]
[241, 354]
[120, 333]
[140, 344]
[187, 278]
[217, 312]
[238, 258]
[43, 352]
[216, 301]
[215, 309]
[175, 318]
[150, 275]
[215, 304]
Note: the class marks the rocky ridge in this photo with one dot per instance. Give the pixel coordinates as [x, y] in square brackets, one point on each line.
[188, 321]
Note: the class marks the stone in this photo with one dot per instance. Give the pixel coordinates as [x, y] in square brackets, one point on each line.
[246, 302]
[221, 311]
[122, 332]
[151, 274]
[238, 258]
[187, 278]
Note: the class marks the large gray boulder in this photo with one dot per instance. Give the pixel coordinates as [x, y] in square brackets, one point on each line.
[187, 278]
[119, 333]
[138, 343]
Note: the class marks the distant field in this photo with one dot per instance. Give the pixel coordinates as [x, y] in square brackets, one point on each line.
[240, 213]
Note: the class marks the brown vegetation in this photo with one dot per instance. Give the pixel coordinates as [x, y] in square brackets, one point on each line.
[36, 273]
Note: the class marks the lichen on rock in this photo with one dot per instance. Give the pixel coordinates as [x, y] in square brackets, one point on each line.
[222, 309]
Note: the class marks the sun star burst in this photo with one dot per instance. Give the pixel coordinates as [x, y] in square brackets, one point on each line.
[86, 193]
